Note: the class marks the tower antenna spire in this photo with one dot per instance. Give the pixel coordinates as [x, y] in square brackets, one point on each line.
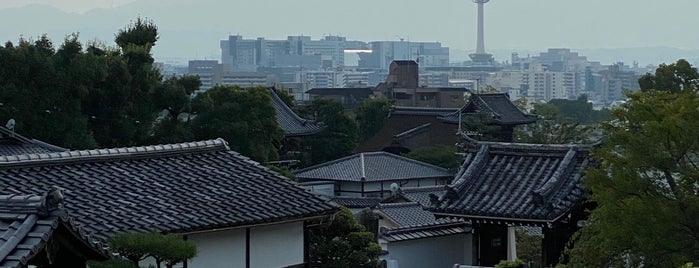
[481, 56]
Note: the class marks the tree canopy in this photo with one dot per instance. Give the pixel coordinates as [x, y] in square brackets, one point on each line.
[676, 77]
[371, 115]
[245, 118]
[645, 184]
[343, 243]
[339, 137]
[165, 249]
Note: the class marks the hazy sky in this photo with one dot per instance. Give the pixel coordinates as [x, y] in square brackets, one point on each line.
[193, 28]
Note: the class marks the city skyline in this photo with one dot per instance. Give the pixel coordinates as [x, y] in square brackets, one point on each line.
[192, 29]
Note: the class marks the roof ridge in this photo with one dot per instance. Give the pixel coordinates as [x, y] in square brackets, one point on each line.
[12, 134]
[427, 226]
[281, 104]
[114, 153]
[326, 163]
[497, 144]
[419, 189]
[398, 205]
[410, 160]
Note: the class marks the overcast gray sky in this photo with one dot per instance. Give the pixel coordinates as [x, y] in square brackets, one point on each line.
[194, 27]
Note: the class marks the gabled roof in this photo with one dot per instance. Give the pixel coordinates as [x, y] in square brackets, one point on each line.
[435, 229]
[292, 124]
[406, 214]
[12, 143]
[516, 182]
[497, 105]
[28, 224]
[177, 188]
[375, 166]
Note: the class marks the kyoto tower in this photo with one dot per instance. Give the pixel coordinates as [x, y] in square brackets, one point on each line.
[480, 56]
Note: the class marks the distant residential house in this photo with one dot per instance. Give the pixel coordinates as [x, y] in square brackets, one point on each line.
[371, 174]
[412, 237]
[12, 143]
[36, 231]
[503, 185]
[237, 212]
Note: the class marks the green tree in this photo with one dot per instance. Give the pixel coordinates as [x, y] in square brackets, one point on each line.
[165, 249]
[529, 248]
[340, 136]
[245, 118]
[174, 96]
[343, 243]
[676, 77]
[552, 127]
[645, 186]
[371, 115]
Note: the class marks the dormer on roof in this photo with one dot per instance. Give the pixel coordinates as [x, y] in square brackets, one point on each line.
[292, 124]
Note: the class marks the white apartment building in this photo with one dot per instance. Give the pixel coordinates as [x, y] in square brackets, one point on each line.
[545, 85]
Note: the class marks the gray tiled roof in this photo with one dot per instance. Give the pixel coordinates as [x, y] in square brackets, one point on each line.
[518, 182]
[406, 214]
[422, 194]
[12, 143]
[27, 224]
[426, 231]
[292, 124]
[168, 188]
[356, 202]
[375, 166]
[498, 105]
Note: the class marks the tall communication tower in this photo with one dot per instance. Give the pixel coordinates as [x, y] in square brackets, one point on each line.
[480, 56]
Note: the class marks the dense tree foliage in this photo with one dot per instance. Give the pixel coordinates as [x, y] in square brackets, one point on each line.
[676, 77]
[90, 97]
[580, 110]
[552, 127]
[339, 137]
[646, 184]
[371, 115]
[343, 243]
[244, 117]
[164, 249]
[529, 248]
[81, 97]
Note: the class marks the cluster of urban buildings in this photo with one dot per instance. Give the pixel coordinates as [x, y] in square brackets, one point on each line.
[300, 64]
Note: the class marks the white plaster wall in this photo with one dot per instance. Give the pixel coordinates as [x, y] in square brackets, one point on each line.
[219, 249]
[350, 186]
[444, 251]
[276, 245]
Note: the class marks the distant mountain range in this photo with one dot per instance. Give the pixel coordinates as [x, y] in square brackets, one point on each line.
[185, 35]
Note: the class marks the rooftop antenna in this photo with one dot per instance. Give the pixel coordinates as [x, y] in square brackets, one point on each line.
[11, 125]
